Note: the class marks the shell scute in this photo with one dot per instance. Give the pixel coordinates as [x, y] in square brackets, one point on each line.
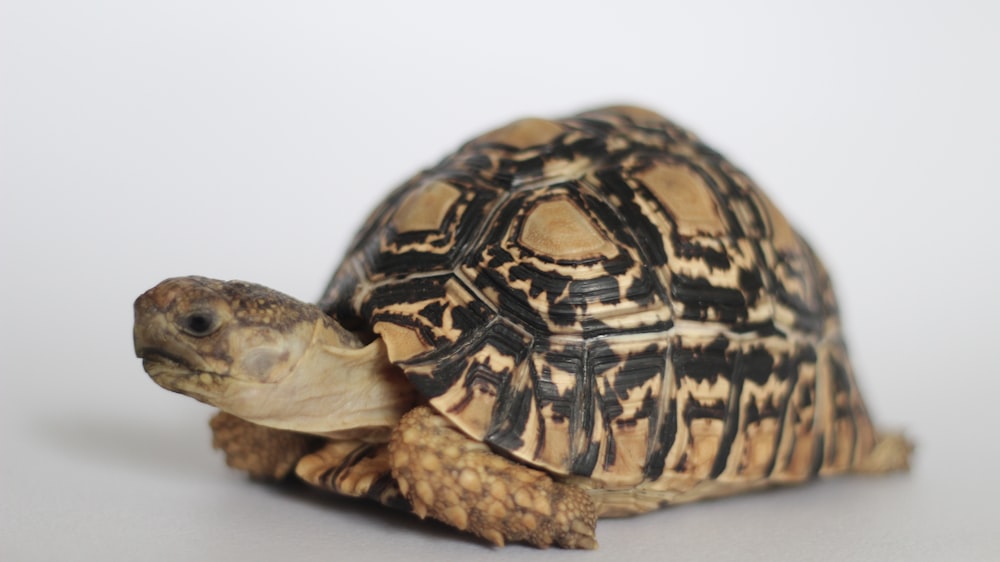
[606, 296]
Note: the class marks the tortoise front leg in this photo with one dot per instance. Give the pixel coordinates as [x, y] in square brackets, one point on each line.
[350, 468]
[263, 452]
[460, 481]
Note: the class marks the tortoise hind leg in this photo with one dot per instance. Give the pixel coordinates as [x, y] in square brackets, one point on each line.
[891, 453]
[461, 482]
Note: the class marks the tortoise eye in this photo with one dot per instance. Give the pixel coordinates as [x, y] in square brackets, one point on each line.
[200, 323]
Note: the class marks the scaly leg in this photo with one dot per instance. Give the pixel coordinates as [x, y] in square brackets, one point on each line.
[460, 481]
[350, 468]
[891, 453]
[261, 451]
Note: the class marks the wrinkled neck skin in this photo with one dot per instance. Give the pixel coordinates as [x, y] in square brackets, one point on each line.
[332, 390]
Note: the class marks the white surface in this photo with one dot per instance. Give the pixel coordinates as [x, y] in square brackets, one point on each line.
[248, 139]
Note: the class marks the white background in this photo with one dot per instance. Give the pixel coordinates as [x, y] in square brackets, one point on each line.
[247, 139]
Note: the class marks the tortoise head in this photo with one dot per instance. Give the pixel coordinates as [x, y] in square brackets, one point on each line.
[263, 356]
[213, 339]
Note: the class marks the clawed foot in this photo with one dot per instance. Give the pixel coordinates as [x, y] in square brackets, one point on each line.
[261, 451]
[891, 453]
[460, 481]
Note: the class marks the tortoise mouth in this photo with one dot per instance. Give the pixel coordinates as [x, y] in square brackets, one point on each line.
[163, 366]
[174, 374]
[154, 355]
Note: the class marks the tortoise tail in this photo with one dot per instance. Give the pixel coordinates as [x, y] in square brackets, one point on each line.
[890, 454]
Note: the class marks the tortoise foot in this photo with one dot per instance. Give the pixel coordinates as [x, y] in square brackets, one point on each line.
[263, 452]
[452, 478]
[891, 453]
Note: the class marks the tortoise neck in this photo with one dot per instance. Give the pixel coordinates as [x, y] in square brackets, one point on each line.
[340, 389]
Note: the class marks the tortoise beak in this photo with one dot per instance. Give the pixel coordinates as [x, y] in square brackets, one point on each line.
[149, 333]
[163, 328]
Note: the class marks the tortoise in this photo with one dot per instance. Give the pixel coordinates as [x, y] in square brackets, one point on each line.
[563, 320]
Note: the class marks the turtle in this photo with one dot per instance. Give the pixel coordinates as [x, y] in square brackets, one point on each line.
[565, 319]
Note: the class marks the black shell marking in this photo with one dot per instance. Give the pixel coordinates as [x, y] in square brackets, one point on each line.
[606, 296]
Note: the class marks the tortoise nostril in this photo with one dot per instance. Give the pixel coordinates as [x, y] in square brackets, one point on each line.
[200, 323]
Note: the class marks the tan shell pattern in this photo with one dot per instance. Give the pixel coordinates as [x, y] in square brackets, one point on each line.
[606, 296]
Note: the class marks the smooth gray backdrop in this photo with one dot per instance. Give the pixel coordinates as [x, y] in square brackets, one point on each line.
[248, 139]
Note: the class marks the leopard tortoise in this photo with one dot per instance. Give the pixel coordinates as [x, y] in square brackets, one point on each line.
[563, 320]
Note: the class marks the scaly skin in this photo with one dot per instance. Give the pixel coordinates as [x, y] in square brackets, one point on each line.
[300, 393]
[457, 480]
[260, 451]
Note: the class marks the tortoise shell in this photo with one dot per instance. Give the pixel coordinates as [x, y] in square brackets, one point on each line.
[605, 296]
